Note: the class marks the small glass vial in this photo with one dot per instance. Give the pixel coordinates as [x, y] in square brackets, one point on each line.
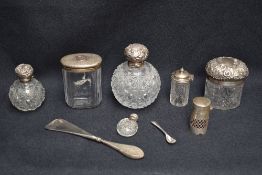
[82, 80]
[128, 127]
[180, 86]
[225, 81]
[136, 83]
[200, 115]
[27, 93]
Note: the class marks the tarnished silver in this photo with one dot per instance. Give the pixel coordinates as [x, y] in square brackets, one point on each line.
[200, 115]
[128, 127]
[181, 75]
[169, 139]
[136, 54]
[61, 125]
[227, 68]
[24, 72]
[81, 62]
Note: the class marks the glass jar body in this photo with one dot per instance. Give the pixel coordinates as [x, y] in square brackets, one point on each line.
[224, 96]
[82, 89]
[135, 87]
[179, 93]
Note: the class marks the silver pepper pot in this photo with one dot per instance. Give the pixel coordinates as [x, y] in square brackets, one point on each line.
[200, 115]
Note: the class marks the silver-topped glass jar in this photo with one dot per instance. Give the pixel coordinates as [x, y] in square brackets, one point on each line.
[180, 86]
[225, 81]
[136, 83]
[27, 93]
[82, 80]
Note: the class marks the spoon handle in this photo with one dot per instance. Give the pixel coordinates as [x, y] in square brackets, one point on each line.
[158, 126]
[61, 125]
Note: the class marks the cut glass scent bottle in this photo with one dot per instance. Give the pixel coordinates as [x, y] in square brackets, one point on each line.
[27, 93]
[136, 83]
[128, 127]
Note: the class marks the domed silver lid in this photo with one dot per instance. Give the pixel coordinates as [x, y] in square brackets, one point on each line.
[227, 69]
[136, 54]
[24, 72]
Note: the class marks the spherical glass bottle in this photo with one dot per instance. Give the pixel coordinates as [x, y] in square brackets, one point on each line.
[27, 93]
[136, 83]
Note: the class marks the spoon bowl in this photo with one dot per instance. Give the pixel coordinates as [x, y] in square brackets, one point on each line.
[170, 139]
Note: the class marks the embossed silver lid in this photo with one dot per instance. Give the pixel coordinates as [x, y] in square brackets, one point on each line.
[227, 69]
[136, 54]
[24, 72]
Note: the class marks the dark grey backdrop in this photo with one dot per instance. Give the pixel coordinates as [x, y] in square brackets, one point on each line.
[177, 33]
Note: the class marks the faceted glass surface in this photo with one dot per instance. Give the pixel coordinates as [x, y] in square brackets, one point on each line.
[135, 87]
[27, 96]
[82, 90]
[179, 93]
[223, 97]
[127, 127]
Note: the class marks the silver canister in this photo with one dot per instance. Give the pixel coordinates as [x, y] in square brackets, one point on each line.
[200, 115]
[180, 86]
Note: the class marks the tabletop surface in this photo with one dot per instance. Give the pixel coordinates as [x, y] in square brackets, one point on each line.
[177, 33]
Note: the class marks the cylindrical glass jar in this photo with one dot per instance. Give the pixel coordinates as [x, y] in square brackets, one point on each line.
[180, 86]
[200, 115]
[225, 81]
[82, 80]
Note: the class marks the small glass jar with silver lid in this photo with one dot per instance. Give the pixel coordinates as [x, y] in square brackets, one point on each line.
[82, 79]
[180, 86]
[225, 81]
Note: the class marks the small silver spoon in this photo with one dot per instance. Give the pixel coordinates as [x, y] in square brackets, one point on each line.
[169, 139]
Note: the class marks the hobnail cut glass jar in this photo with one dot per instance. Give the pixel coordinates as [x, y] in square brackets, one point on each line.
[135, 83]
[82, 80]
[27, 93]
[180, 86]
[225, 82]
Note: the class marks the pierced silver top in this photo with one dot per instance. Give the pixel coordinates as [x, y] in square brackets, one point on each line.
[136, 54]
[24, 72]
[227, 68]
